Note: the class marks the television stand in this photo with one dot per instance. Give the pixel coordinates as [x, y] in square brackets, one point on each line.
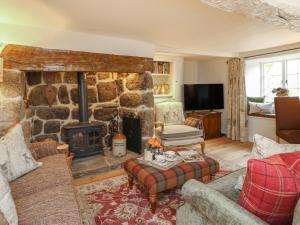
[211, 122]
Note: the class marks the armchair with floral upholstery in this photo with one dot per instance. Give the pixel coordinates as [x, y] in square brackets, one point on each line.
[172, 129]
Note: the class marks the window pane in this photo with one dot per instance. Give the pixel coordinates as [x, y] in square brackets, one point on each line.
[292, 81]
[252, 79]
[274, 68]
[293, 92]
[271, 82]
[292, 66]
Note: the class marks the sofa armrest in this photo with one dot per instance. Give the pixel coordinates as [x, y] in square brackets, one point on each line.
[216, 207]
[44, 148]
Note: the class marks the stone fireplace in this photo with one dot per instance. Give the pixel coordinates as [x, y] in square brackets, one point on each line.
[116, 86]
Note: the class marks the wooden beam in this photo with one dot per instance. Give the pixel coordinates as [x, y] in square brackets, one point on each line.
[28, 58]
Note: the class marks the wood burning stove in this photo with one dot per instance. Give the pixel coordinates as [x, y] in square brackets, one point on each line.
[84, 138]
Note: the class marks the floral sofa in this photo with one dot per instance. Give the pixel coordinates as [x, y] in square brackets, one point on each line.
[46, 195]
[216, 202]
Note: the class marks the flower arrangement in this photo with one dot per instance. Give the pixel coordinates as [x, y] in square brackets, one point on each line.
[153, 143]
[280, 91]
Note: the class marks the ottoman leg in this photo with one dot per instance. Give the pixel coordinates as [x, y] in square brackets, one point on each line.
[153, 199]
[130, 182]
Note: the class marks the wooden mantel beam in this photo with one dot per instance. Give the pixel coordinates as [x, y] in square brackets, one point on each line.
[29, 58]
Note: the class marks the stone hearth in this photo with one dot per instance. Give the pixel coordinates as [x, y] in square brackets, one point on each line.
[95, 165]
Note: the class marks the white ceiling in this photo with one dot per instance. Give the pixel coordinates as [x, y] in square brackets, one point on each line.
[182, 26]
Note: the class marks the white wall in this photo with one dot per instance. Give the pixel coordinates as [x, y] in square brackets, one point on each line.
[190, 71]
[58, 39]
[209, 71]
[261, 125]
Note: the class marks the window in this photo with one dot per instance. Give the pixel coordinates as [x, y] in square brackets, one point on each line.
[293, 76]
[263, 75]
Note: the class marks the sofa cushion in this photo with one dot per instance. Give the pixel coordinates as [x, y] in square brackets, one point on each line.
[261, 108]
[193, 122]
[54, 172]
[254, 99]
[272, 188]
[177, 131]
[15, 157]
[52, 206]
[264, 147]
[7, 205]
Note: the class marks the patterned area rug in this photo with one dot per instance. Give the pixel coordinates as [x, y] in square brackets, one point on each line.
[111, 202]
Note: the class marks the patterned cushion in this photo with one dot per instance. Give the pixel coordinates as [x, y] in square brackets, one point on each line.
[261, 108]
[264, 147]
[3, 221]
[15, 157]
[53, 206]
[7, 205]
[254, 99]
[193, 122]
[155, 180]
[177, 132]
[272, 188]
[54, 172]
[169, 113]
[44, 148]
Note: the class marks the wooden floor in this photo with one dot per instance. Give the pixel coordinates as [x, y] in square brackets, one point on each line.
[226, 149]
[220, 148]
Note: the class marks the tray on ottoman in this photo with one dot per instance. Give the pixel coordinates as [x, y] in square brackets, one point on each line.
[155, 181]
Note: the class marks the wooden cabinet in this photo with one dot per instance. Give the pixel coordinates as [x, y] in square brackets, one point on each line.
[211, 123]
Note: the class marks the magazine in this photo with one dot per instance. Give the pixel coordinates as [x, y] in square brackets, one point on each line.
[160, 165]
[191, 156]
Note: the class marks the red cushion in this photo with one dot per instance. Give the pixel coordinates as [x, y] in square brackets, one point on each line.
[272, 188]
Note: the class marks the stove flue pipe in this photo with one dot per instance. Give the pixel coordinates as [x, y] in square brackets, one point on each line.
[82, 98]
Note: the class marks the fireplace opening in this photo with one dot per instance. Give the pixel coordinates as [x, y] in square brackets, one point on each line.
[84, 139]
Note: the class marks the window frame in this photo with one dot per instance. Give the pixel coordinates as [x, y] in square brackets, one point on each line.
[284, 76]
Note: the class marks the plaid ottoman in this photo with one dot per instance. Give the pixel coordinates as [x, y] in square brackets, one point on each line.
[155, 181]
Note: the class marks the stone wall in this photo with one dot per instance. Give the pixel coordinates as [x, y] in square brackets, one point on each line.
[12, 91]
[108, 94]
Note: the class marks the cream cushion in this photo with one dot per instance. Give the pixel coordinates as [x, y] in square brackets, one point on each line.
[178, 132]
[15, 157]
[169, 113]
[264, 147]
[7, 205]
[187, 141]
[174, 135]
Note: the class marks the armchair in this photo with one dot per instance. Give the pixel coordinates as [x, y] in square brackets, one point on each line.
[288, 119]
[171, 129]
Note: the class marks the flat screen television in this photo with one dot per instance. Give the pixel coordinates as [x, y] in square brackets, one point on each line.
[203, 96]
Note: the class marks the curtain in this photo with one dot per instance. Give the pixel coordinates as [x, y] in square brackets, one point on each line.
[236, 101]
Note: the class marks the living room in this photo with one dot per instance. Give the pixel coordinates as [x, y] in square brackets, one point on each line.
[149, 112]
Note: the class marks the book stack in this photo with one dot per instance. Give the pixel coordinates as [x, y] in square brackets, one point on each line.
[162, 67]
